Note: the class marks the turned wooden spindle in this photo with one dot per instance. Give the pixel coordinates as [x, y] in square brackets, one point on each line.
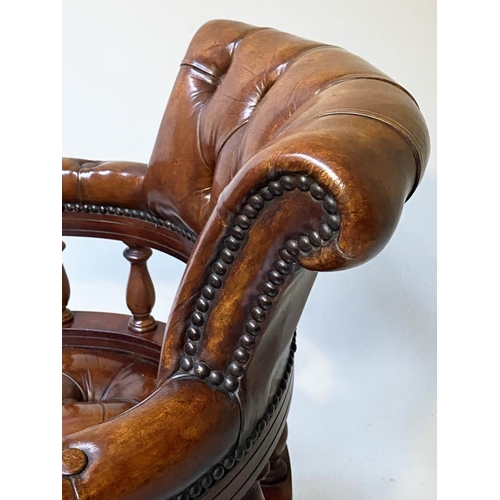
[67, 315]
[140, 290]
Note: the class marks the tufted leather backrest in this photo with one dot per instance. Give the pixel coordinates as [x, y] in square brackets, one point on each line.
[242, 88]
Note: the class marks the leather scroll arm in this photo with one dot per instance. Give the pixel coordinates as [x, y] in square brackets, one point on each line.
[158, 446]
[113, 183]
[337, 186]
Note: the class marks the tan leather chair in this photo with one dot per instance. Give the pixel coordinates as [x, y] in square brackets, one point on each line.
[277, 157]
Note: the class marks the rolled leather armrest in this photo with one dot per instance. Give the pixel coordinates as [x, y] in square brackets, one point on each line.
[110, 183]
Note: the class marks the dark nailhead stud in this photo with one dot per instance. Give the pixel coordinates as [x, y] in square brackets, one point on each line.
[237, 233]
[330, 205]
[288, 182]
[215, 281]
[207, 481]
[282, 267]
[193, 332]
[261, 425]
[276, 278]
[239, 453]
[218, 472]
[253, 327]
[186, 363]
[232, 243]
[216, 377]
[304, 244]
[197, 318]
[264, 301]
[325, 232]
[334, 222]
[201, 370]
[243, 221]
[202, 304]
[247, 341]
[208, 292]
[241, 355]
[236, 369]
[315, 239]
[183, 496]
[292, 247]
[249, 211]
[275, 188]
[227, 256]
[195, 491]
[317, 192]
[266, 194]
[303, 182]
[286, 256]
[256, 201]
[190, 348]
[258, 314]
[270, 289]
[219, 267]
[230, 383]
[228, 463]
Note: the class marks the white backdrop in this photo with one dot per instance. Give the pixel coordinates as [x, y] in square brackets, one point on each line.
[363, 420]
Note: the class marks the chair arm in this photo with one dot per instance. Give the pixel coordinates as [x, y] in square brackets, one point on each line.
[326, 196]
[115, 183]
[159, 446]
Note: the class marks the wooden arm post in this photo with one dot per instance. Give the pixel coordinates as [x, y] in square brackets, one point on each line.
[140, 290]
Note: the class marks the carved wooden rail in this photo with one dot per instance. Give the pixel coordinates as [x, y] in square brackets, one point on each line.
[140, 294]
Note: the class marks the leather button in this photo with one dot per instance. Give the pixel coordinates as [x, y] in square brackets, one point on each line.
[74, 461]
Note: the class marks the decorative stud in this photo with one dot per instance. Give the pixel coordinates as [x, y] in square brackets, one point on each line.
[315, 239]
[186, 363]
[264, 301]
[253, 327]
[317, 192]
[236, 369]
[201, 370]
[304, 244]
[202, 304]
[241, 355]
[243, 221]
[193, 333]
[190, 348]
[227, 256]
[270, 289]
[288, 182]
[232, 243]
[256, 201]
[276, 188]
[216, 377]
[258, 314]
[215, 281]
[197, 318]
[325, 232]
[333, 221]
[230, 383]
[219, 267]
[276, 278]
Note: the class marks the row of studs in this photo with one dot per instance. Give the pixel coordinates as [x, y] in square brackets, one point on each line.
[126, 212]
[282, 267]
[203, 484]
